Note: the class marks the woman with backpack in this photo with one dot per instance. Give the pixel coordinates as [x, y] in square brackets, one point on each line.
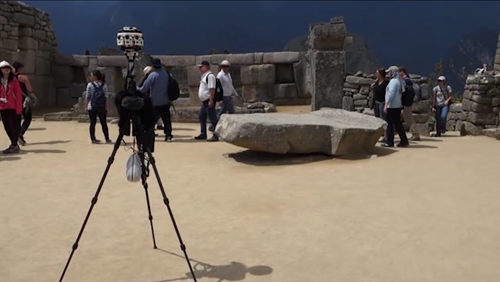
[28, 99]
[97, 104]
[441, 101]
[11, 105]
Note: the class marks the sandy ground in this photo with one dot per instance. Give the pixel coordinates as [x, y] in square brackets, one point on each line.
[425, 213]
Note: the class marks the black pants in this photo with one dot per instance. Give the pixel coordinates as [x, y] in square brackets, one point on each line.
[12, 124]
[163, 112]
[207, 112]
[93, 114]
[27, 117]
[394, 122]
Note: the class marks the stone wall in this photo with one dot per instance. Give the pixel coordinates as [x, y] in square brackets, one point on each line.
[480, 105]
[277, 78]
[357, 97]
[27, 35]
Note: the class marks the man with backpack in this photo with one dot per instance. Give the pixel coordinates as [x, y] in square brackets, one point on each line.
[157, 87]
[408, 98]
[209, 92]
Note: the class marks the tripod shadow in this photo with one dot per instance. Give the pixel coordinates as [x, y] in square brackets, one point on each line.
[234, 271]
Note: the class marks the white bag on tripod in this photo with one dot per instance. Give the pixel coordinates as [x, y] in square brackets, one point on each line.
[134, 169]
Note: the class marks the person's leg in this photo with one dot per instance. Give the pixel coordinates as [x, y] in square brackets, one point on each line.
[6, 124]
[93, 121]
[398, 124]
[203, 121]
[28, 117]
[14, 128]
[389, 136]
[410, 121]
[222, 110]
[104, 124]
[444, 116]
[212, 116]
[229, 104]
[167, 122]
[376, 109]
[437, 117]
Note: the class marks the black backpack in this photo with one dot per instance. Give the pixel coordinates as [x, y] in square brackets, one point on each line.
[98, 99]
[173, 89]
[219, 92]
[408, 96]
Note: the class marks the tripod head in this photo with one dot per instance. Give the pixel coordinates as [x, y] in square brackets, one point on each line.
[130, 40]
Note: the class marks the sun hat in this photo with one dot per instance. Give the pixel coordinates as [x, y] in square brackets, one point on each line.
[4, 64]
[146, 70]
[441, 78]
[225, 63]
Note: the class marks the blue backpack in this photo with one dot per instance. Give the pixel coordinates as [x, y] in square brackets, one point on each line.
[98, 99]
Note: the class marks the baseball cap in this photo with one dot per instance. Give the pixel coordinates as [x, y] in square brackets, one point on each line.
[392, 69]
[225, 63]
[204, 63]
[146, 70]
[156, 63]
[441, 78]
[4, 64]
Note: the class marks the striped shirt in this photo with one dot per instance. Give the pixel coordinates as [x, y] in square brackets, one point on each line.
[89, 92]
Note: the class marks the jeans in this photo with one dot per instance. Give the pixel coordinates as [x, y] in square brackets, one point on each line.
[394, 122]
[12, 125]
[227, 106]
[441, 115]
[93, 114]
[27, 117]
[163, 112]
[207, 112]
[379, 110]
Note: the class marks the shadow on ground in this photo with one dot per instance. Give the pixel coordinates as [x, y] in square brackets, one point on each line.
[250, 157]
[37, 129]
[8, 158]
[182, 129]
[234, 271]
[54, 142]
[41, 151]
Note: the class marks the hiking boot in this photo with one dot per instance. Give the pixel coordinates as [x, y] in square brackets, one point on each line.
[96, 141]
[168, 139]
[11, 150]
[211, 128]
[201, 137]
[109, 141]
[213, 139]
[21, 140]
[403, 145]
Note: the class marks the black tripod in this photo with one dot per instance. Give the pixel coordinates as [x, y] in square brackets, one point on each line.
[143, 143]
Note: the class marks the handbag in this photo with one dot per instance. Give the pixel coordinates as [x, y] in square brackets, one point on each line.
[134, 168]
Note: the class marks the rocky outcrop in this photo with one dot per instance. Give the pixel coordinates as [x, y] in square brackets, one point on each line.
[327, 131]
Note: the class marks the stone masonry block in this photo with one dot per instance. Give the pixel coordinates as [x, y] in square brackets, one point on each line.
[281, 58]
[71, 60]
[258, 74]
[177, 61]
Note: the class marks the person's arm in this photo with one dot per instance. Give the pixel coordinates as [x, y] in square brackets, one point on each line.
[106, 93]
[235, 93]
[448, 89]
[88, 94]
[434, 98]
[148, 83]
[211, 85]
[25, 79]
[16, 88]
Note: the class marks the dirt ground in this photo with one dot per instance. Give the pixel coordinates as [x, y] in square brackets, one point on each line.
[430, 212]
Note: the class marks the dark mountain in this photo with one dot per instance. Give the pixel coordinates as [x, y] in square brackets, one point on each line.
[358, 56]
[414, 34]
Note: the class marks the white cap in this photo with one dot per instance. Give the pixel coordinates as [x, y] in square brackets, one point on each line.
[391, 69]
[225, 63]
[441, 78]
[4, 64]
[146, 70]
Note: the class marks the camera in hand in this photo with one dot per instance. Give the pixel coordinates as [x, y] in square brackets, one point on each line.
[134, 108]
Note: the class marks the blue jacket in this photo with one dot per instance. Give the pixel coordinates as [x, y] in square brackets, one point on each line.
[394, 93]
[157, 86]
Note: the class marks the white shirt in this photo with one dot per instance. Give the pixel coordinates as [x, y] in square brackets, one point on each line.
[442, 94]
[206, 85]
[227, 84]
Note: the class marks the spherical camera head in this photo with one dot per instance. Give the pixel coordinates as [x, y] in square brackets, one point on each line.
[130, 40]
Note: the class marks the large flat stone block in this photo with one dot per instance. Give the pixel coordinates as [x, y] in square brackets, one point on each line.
[281, 58]
[177, 61]
[328, 131]
[258, 74]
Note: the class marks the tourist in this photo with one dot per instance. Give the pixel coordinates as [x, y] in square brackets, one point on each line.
[146, 71]
[206, 93]
[97, 105]
[407, 110]
[378, 88]
[227, 88]
[441, 100]
[11, 106]
[156, 86]
[28, 99]
[392, 108]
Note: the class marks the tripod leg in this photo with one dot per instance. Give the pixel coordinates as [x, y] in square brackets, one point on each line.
[93, 202]
[144, 178]
[166, 201]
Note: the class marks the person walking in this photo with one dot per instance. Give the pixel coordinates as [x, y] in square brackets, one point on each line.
[156, 86]
[97, 105]
[228, 89]
[206, 93]
[441, 100]
[392, 108]
[378, 88]
[28, 99]
[407, 110]
[11, 106]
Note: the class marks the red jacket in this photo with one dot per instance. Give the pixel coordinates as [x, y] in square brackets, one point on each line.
[14, 97]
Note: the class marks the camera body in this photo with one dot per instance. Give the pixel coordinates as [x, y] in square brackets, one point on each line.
[130, 39]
